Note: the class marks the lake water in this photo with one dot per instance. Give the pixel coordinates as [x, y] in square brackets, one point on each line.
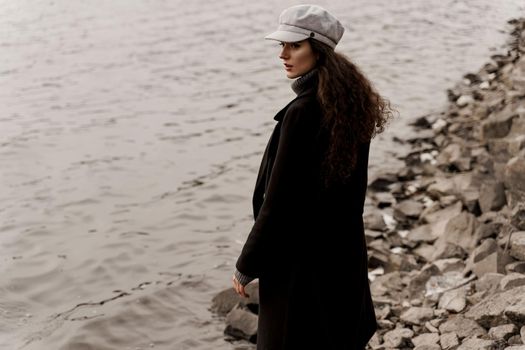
[130, 136]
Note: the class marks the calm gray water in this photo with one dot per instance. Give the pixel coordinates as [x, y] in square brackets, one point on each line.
[130, 136]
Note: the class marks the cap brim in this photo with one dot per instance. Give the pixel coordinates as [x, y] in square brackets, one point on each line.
[286, 37]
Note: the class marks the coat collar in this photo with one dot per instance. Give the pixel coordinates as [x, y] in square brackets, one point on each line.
[309, 90]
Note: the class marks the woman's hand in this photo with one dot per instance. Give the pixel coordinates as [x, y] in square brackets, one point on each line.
[239, 288]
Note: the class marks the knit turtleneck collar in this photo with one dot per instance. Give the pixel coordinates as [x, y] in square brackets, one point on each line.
[305, 81]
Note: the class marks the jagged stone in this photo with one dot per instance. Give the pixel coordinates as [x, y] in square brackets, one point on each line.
[498, 124]
[477, 344]
[426, 339]
[444, 214]
[224, 301]
[462, 326]
[486, 248]
[489, 281]
[381, 182]
[417, 284]
[515, 347]
[449, 341]
[492, 311]
[385, 324]
[512, 280]
[518, 216]
[460, 230]
[517, 245]
[447, 250]
[417, 315]
[451, 264]
[373, 220]
[488, 230]
[407, 209]
[383, 199]
[422, 233]
[503, 332]
[389, 282]
[241, 323]
[441, 187]
[401, 262]
[398, 337]
[517, 266]
[424, 252]
[492, 197]
[494, 262]
[516, 311]
[454, 156]
[453, 300]
[428, 347]
[513, 179]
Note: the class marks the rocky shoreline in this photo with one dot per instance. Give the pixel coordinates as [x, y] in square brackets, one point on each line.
[446, 233]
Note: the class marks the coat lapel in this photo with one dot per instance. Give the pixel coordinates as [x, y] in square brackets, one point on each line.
[269, 154]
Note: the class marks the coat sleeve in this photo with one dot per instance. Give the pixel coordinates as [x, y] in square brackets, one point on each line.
[283, 193]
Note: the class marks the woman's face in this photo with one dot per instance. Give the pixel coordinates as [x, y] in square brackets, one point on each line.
[298, 58]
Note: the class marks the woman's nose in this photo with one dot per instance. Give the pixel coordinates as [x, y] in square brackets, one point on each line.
[283, 54]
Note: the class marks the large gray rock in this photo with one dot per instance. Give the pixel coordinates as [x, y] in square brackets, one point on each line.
[241, 323]
[408, 208]
[450, 264]
[453, 300]
[462, 326]
[417, 315]
[518, 216]
[441, 187]
[516, 311]
[477, 344]
[517, 245]
[503, 332]
[489, 281]
[428, 347]
[498, 124]
[387, 284]
[492, 311]
[224, 302]
[426, 339]
[489, 258]
[423, 233]
[512, 280]
[460, 230]
[514, 180]
[454, 156]
[444, 214]
[516, 144]
[517, 266]
[417, 284]
[398, 337]
[449, 341]
[447, 250]
[373, 220]
[492, 196]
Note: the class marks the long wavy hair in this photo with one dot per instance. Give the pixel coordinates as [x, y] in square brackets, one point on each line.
[353, 111]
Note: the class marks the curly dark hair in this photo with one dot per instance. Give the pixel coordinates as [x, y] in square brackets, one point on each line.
[353, 111]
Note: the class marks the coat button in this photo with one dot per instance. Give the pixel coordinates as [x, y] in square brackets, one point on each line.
[312, 34]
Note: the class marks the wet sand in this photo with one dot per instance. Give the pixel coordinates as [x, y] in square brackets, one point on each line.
[130, 138]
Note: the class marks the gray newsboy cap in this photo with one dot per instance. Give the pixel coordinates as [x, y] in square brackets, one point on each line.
[300, 22]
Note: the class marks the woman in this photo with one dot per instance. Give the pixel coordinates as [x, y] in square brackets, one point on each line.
[309, 196]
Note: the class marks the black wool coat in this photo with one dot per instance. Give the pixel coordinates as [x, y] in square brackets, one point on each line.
[307, 244]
